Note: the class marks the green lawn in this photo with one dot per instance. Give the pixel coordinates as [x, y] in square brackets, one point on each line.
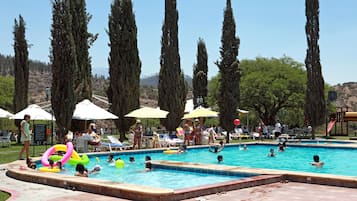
[9, 154]
[4, 196]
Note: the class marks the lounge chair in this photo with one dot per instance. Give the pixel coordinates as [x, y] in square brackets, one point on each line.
[173, 140]
[4, 139]
[114, 144]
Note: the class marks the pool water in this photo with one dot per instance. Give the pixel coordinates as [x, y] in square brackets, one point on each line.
[133, 173]
[338, 161]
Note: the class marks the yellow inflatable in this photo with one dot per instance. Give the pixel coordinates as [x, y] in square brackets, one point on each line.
[47, 169]
[119, 163]
[171, 151]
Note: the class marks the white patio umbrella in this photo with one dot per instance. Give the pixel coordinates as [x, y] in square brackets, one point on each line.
[148, 113]
[36, 113]
[86, 110]
[244, 112]
[4, 113]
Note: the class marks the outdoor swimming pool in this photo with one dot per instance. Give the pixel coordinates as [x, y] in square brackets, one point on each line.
[337, 161]
[133, 173]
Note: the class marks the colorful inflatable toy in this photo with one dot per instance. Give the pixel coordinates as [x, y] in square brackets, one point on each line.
[47, 169]
[169, 151]
[73, 160]
[68, 148]
[119, 163]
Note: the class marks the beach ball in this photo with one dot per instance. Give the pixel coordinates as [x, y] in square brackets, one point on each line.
[119, 163]
[236, 122]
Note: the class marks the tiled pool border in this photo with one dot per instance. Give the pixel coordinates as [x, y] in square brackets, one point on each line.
[136, 192]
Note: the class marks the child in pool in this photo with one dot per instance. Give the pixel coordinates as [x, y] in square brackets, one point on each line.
[95, 170]
[111, 158]
[281, 147]
[220, 158]
[81, 171]
[148, 165]
[317, 161]
[52, 163]
[182, 148]
[271, 153]
[131, 159]
[59, 165]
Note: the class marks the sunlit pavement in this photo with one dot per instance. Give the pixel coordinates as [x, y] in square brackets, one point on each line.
[273, 192]
[291, 191]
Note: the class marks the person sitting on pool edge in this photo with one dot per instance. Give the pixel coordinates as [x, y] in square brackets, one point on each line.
[317, 161]
[81, 171]
[30, 163]
[217, 147]
[271, 153]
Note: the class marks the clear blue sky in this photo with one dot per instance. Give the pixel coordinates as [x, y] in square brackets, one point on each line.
[266, 28]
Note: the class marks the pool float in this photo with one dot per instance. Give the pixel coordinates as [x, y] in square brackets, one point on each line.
[73, 160]
[47, 169]
[169, 151]
[119, 163]
[68, 148]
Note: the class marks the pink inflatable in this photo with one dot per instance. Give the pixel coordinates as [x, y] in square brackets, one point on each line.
[68, 148]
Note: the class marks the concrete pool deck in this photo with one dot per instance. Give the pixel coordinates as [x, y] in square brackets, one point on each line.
[266, 179]
[271, 192]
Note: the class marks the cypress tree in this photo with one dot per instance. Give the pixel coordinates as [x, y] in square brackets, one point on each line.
[21, 68]
[64, 63]
[229, 70]
[200, 70]
[314, 99]
[124, 64]
[172, 87]
[83, 75]
[21, 65]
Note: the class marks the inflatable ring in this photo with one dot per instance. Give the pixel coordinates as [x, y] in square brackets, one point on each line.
[47, 169]
[69, 151]
[72, 161]
[171, 152]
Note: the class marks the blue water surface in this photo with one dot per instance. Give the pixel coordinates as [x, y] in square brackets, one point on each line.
[338, 161]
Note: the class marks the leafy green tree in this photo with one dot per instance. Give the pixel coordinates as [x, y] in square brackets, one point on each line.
[315, 106]
[124, 64]
[63, 59]
[213, 91]
[200, 71]
[172, 87]
[229, 69]
[82, 40]
[6, 92]
[269, 85]
[271, 88]
[21, 66]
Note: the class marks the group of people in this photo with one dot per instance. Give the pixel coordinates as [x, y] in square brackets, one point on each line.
[282, 146]
[195, 133]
